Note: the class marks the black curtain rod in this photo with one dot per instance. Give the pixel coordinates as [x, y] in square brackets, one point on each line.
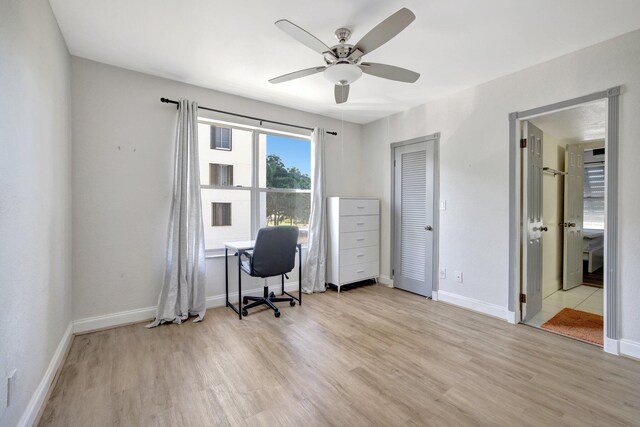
[171, 101]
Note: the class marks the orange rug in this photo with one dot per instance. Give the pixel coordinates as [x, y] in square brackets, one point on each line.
[577, 324]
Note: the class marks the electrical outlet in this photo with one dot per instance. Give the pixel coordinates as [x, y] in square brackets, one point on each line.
[443, 273]
[458, 276]
[443, 205]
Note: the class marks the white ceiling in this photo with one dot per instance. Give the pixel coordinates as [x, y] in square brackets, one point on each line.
[233, 46]
[579, 124]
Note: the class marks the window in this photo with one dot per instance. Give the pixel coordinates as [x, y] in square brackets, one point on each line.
[265, 180]
[220, 175]
[594, 196]
[220, 138]
[220, 214]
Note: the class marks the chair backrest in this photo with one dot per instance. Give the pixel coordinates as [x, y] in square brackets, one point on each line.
[274, 252]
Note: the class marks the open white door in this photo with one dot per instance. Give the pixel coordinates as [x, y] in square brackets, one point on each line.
[532, 221]
[573, 216]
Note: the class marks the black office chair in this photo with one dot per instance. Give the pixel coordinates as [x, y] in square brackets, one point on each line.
[274, 254]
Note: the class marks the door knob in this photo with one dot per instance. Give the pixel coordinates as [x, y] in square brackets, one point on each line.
[540, 229]
[571, 224]
[428, 228]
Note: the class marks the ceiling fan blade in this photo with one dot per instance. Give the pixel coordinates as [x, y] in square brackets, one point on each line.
[389, 72]
[302, 36]
[385, 31]
[297, 74]
[342, 93]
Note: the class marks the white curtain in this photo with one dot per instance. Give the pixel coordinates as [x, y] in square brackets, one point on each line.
[182, 291]
[314, 263]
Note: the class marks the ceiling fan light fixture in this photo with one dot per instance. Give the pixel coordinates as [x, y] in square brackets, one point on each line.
[342, 74]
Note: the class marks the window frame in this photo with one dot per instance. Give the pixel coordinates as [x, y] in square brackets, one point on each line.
[254, 189]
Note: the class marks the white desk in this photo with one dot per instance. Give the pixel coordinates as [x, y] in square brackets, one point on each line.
[238, 248]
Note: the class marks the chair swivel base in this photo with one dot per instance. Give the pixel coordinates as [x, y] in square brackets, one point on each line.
[267, 299]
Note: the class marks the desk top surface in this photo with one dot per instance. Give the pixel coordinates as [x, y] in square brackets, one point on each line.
[240, 245]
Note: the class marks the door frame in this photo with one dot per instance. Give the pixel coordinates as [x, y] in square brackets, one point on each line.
[435, 138]
[611, 285]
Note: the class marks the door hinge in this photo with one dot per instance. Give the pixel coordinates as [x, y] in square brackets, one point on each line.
[523, 298]
[523, 143]
[393, 272]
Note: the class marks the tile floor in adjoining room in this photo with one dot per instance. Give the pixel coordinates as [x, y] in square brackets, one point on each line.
[583, 298]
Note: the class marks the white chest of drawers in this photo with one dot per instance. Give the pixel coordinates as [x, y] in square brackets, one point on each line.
[353, 254]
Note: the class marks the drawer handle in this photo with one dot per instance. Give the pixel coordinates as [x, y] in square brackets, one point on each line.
[360, 255]
[360, 239]
[359, 223]
[360, 271]
[360, 207]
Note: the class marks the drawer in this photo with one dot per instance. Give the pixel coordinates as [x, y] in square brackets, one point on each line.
[359, 255]
[359, 239]
[359, 207]
[359, 223]
[353, 273]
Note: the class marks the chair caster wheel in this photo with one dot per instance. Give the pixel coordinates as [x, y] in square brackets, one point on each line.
[245, 312]
[245, 300]
[292, 303]
[277, 314]
[272, 295]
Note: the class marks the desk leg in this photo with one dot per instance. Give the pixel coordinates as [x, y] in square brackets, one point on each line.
[226, 275]
[300, 274]
[239, 287]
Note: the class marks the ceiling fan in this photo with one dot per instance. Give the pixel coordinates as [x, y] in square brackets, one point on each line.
[343, 61]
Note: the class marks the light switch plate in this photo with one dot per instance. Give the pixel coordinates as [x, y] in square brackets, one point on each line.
[458, 276]
[4, 395]
[11, 386]
[443, 273]
[443, 205]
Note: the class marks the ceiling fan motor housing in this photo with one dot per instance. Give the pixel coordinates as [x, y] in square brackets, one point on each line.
[343, 34]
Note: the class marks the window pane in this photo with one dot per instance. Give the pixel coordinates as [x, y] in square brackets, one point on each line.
[221, 174]
[594, 196]
[284, 162]
[220, 138]
[286, 209]
[224, 207]
[220, 214]
[239, 158]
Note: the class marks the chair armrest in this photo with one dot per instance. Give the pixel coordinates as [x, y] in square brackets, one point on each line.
[246, 253]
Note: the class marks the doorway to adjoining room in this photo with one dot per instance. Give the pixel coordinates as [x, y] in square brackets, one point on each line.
[563, 176]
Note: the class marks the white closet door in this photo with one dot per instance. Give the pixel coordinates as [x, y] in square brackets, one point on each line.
[573, 216]
[532, 210]
[413, 213]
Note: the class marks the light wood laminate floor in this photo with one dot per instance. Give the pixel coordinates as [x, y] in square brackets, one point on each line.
[369, 356]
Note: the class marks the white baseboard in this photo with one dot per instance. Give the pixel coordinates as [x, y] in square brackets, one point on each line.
[630, 348]
[611, 346]
[474, 304]
[434, 296]
[511, 317]
[386, 280]
[35, 405]
[121, 318]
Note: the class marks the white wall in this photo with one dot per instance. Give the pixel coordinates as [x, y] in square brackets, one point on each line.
[123, 154]
[35, 196]
[474, 166]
